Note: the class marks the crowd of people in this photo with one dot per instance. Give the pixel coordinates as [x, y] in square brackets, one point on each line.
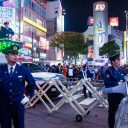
[72, 71]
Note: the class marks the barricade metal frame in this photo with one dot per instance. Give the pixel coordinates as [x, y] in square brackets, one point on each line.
[67, 97]
[40, 93]
[75, 104]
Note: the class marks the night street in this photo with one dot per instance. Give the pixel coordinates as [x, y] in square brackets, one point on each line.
[38, 117]
[63, 63]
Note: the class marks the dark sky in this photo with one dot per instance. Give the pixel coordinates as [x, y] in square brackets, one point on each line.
[77, 12]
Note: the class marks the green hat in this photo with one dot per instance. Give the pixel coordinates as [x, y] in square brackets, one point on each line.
[12, 49]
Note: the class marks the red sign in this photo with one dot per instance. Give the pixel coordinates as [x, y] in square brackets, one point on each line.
[114, 21]
[90, 21]
[44, 44]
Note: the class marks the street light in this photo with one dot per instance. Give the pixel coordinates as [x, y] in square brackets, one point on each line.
[126, 14]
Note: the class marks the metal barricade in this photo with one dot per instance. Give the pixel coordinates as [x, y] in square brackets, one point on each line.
[41, 93]
[72, 82]
[69, 96]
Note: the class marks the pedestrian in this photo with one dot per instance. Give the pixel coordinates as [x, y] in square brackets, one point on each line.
[59, 68]
[6, 31]
[64, 70]
[85, 74]
[70, 71]
[113, 75]
[13, 77]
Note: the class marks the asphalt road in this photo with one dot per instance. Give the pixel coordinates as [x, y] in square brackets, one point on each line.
[38, 117]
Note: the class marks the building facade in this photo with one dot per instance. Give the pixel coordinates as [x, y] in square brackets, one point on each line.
[29, 25]
[33, 27]
[55, 24]
[101, 31]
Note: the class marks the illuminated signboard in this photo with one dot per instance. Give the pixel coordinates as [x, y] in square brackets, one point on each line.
[7, 14]
[5, 44]
[44, 44]
[7, 3]
[99, 26]
[90, 20]
[100, 7]
[114, 21]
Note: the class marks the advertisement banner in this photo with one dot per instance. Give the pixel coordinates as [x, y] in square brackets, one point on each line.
[90, 21]
[100, 15]
[7, 3]
[7, 14]
[114, 21]
[44, 44]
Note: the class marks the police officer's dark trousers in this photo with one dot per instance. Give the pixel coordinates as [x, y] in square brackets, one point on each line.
[114, 101]
[12, 113]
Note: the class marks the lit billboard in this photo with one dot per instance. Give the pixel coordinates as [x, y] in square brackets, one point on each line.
[44, 44]
[114, 21]
[7, 3]
[100, 27]
[7, 14]
[90, 21]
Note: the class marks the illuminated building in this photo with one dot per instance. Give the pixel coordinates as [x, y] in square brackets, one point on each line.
[55, 24]
[101, 31]
[28, 20]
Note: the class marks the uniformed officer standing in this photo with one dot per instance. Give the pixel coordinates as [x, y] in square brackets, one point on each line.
[113, 75]
[12, 90]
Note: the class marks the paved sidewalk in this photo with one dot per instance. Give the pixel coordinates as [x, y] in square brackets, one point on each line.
[38, 117]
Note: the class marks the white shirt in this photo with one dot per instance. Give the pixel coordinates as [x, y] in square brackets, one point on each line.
[70, 71]
[9, 66]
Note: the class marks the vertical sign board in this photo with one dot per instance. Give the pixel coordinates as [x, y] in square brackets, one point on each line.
[7, 14]
[100, 15]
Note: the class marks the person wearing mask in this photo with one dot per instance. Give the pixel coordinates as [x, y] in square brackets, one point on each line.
[13, 77]
[113, 75]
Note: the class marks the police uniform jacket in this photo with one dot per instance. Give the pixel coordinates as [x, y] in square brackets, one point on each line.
[112, 77]
[12, 88]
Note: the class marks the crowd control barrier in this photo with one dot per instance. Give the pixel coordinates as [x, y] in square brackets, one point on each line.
[82, 106]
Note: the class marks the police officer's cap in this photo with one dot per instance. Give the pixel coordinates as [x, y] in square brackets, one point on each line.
[6, 23]
[114, 57]
[11, 50]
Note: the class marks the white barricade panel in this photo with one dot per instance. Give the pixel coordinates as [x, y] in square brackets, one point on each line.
[74, 97]
[70, 96]
[122, 115]
[88, 101]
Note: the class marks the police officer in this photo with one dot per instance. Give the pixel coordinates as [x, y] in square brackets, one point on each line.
[6, 31]
[113, 75]
[12, 90]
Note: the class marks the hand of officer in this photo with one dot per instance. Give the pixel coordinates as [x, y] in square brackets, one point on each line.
[126, 78]
[25, 100]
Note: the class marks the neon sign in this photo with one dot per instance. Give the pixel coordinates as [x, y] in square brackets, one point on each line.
[100, 7]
